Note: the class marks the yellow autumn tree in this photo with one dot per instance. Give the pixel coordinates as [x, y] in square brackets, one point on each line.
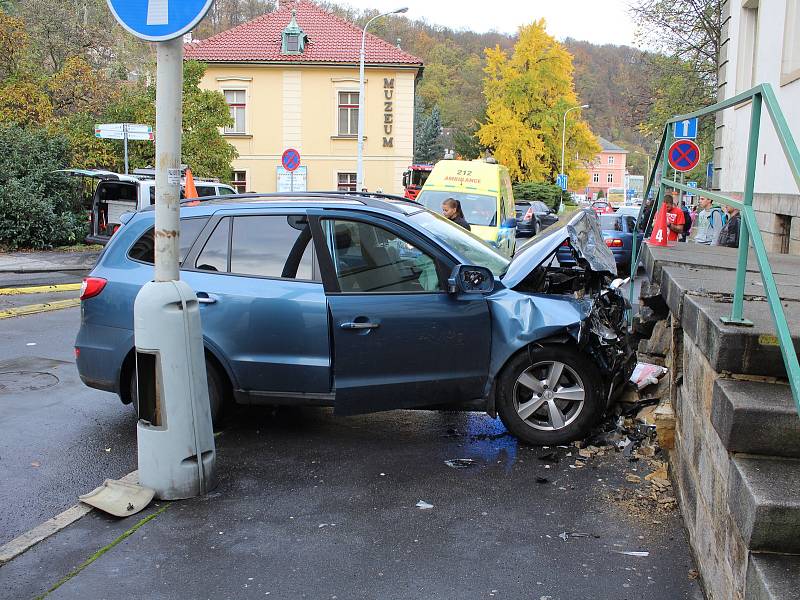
[527, 94]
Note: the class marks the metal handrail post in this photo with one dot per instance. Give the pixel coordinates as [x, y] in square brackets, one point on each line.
[737, 310]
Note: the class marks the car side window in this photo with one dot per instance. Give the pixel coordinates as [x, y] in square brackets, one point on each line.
[203, 191]
[273, 246]
[214, 256]
[144, 248]
[370, 259]
[631, 224]
[223, 191]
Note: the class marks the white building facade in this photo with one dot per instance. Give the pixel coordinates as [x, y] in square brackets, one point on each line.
[761, 44]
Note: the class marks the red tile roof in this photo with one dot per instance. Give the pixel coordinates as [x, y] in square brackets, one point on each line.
[331, 40]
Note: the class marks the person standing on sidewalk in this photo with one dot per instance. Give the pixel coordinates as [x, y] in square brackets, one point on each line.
[729, 235]
[675, 219]
[710, 220]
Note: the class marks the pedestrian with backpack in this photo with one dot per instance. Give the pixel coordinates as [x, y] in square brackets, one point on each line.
[710, 220]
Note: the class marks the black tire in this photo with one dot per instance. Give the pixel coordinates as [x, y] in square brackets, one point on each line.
[577, 378]
[218, 392]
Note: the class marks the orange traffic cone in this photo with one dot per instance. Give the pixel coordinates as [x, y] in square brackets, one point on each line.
[660, 229]
[189, 190]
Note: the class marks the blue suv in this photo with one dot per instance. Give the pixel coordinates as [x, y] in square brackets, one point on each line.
[368, 304]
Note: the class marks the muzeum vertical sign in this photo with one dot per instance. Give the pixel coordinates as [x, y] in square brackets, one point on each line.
[388, 112]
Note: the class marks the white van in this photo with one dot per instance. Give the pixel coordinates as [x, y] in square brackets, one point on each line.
[117, 194]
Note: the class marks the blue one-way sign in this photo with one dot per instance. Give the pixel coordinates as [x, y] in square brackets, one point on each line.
[561, 181]
[159, 20]
[686, 129]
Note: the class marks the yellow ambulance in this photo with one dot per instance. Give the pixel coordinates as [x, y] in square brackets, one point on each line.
[484, 189]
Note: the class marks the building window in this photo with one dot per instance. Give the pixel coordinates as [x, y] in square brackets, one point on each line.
[748, 45]
[348, 113]
[346, 182]
[240, 181]
[611, 160]
[238, 107]
[610, 178]
[292, 42]
[595, 177]
[790, 64]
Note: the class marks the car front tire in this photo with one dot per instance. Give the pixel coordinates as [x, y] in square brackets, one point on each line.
[550, 395]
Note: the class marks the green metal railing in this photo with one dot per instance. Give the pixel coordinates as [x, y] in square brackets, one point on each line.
[759, 96]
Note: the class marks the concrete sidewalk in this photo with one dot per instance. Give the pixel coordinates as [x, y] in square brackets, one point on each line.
[312, 506]
[35, 268]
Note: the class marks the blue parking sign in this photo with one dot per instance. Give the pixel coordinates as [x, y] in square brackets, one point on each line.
[159, 20]
[561, 181]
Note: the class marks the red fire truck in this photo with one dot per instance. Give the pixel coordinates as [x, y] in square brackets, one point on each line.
[414, 179]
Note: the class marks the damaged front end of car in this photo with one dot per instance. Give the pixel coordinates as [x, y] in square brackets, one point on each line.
[582, 304]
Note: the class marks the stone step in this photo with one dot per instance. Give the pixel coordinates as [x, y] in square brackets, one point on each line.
[773, 577]
[756, 418]
[764, 500]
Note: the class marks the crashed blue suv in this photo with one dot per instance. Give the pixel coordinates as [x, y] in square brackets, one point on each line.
[371, 303]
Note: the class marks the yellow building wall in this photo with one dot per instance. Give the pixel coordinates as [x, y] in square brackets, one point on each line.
[294, 106]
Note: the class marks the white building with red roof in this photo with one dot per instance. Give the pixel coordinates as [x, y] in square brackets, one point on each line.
[291, 80]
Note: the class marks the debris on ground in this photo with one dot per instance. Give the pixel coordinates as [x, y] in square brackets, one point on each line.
[459, 463]
[119, 498]
[422, 505]
[632, 553]
[646, 374]
[550, 457]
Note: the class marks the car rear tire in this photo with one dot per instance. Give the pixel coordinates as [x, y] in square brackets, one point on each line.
[218, 392]
[550, 395]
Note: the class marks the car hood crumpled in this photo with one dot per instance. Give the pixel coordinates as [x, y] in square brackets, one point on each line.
[583, 232]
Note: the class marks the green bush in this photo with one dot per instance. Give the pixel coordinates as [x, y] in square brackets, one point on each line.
[38, 208]
[548, 193]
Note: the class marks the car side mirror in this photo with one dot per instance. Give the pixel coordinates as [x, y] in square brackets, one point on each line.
[469, 279]
[510, 223]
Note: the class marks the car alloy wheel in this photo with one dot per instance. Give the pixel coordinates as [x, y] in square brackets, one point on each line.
[549, 395]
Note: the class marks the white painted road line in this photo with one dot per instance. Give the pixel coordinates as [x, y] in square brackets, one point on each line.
[41, 532]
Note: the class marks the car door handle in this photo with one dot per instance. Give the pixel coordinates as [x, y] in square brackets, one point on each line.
[353, 325]
[204, 298]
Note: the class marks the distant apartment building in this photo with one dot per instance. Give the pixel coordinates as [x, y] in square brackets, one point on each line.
[606, 171]
[291, 80]
[761, 44]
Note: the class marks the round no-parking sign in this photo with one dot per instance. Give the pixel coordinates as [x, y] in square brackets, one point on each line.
[290, 159]
[684, 155]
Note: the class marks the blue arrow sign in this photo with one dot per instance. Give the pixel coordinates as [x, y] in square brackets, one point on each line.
[159, 20]
[686, 129]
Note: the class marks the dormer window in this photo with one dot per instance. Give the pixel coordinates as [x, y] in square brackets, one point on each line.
[294, 40]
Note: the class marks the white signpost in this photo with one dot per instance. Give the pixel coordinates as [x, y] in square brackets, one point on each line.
[125, 132]
[176, 452]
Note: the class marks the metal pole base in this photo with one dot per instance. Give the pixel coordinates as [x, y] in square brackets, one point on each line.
[738, 322]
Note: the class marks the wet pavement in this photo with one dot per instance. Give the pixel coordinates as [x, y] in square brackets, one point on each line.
[312, 506]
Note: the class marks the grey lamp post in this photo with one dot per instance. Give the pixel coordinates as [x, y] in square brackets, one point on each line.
[564, 145]
[360, 162]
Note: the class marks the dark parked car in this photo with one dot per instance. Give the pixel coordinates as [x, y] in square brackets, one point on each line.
[618, 231]
[533, 217]
[370, 304]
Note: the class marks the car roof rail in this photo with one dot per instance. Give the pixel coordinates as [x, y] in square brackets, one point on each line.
[373, 200]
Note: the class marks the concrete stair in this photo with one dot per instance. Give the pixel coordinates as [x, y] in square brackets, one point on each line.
[773, 577]
[752, 409]
[756, 418]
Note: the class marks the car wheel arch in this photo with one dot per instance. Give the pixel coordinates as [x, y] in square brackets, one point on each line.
[129, 363]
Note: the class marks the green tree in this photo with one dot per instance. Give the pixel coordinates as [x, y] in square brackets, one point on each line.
[527, 94]
[39, 208]
[428, 140]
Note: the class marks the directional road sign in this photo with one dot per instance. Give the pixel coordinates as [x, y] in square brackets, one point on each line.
[691, 184]
[159, 20]
[116, 131]
[561, 181]
[290, 159]
[684, 155]
[686, 129]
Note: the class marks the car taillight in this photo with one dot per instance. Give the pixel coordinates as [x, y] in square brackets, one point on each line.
[528, 215]
[613, 243]
[565, 243]
[91, 287]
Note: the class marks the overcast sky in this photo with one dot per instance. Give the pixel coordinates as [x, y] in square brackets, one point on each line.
[599, 22]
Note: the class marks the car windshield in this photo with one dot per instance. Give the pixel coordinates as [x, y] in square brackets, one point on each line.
[479, 209]
[467, 246]
[539, 206]
[610, 223]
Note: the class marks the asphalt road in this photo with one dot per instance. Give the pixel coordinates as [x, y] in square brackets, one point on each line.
[313, 506]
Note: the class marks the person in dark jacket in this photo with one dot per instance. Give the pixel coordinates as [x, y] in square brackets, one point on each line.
[729, 234]
[451, 208]
[687, 221]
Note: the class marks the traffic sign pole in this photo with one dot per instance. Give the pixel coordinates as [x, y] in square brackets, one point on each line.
[169, 110]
